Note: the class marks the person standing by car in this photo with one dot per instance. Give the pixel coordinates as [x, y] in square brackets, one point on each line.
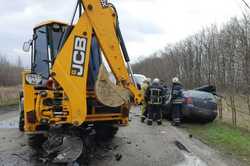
[154, 97]
[144, 88]
[176, 101]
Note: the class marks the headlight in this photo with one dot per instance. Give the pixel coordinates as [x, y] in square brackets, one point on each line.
[33, 79]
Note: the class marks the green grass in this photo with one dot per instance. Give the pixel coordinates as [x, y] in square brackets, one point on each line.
[225, 138]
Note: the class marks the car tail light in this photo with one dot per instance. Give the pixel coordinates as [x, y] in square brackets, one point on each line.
[188, 100]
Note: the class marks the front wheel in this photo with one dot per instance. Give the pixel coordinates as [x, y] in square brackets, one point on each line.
[21, 113]
[105, 131]
[35, 141]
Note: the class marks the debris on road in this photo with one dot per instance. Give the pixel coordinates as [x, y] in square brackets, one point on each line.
[115, 147]
[149, 147]
[181, 146]
[118, 157]
[20, 156]
[22, 144]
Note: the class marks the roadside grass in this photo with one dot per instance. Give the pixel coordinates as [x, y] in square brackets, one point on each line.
[9, 95]
[225, 138]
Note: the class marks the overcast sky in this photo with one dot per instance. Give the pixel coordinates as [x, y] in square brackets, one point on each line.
[147, 25]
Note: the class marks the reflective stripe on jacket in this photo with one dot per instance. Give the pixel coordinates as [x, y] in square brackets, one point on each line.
[177, 94]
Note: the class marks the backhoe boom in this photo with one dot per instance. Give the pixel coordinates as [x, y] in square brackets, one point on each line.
[71, 66]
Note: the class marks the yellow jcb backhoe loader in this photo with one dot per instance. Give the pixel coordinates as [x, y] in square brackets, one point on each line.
[67, 93]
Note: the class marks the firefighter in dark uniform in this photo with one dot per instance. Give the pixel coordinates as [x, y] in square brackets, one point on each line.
[154, 97]
[176, 101]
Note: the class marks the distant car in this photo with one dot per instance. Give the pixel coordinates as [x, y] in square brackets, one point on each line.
[139, 78]
[198, 106]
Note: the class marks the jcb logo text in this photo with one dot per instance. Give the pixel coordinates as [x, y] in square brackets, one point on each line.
[78, 57]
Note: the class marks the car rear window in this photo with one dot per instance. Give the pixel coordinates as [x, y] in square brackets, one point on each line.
[199, 94]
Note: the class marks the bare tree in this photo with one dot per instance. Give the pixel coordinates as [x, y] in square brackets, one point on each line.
[10, 74]
[211, 56]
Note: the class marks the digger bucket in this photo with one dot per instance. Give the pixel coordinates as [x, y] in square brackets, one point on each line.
[107, 92]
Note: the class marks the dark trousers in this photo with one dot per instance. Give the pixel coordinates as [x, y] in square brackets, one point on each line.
[145, 113]
[154, 112]
[176, 112]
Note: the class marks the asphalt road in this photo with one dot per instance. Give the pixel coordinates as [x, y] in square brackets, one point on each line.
[134, 145]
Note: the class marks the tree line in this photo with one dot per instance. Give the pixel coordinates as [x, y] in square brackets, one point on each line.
[216, 55]
[10, 74]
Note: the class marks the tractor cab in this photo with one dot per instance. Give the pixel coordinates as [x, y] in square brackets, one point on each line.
[48, 39]
[45, 45]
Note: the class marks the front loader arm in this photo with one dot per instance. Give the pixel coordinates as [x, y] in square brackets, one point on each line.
[70, 68]
[103, 19]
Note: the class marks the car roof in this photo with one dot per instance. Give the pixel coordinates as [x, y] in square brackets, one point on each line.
[139, 75]
[196, 93]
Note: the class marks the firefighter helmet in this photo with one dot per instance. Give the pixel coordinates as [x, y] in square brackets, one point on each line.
[176, 80]
[156, 81]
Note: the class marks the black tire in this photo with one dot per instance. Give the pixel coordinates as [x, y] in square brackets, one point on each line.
[88, 149]
[149, 123]
[35, 141]
[142, 119]
[21, 115]
[105, 132]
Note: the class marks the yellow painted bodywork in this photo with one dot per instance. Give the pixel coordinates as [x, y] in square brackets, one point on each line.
[29, 102]
[102, 22]
[74, 87]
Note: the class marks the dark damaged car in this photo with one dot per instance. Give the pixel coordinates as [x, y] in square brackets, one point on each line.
[200, 105]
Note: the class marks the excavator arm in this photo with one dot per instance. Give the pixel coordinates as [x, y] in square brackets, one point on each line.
[70, 68]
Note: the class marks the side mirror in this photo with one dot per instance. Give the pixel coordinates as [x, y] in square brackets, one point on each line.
[27, 45]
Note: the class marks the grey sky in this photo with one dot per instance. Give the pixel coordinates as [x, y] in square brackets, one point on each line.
[147, 25]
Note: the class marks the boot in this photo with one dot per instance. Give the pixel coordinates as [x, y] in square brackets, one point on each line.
[143, 119]
[149, 122]
[173, 123]
[176, 122]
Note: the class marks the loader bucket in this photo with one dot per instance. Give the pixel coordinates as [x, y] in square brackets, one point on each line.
[107, 92]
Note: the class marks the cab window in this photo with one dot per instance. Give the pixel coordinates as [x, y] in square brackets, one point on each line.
[40, 60]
